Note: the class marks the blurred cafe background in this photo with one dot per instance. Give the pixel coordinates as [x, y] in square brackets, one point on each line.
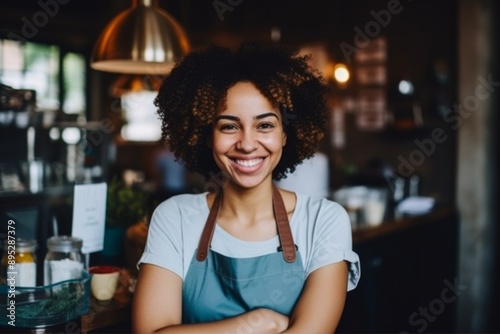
[411, 150]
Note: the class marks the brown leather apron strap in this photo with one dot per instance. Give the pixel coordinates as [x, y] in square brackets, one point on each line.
[283, 226]
[284, 231]
[208, 230]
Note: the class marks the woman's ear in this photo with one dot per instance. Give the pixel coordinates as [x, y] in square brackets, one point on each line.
[284, 138]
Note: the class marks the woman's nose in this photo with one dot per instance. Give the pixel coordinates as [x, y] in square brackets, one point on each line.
[247, 141]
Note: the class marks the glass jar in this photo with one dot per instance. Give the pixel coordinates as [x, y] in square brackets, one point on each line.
[64, 259]
[19, 261]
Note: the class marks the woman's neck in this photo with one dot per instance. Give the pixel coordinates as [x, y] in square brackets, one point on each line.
[247, 206]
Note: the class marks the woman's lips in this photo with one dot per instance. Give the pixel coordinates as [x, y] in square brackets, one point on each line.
[248, 165]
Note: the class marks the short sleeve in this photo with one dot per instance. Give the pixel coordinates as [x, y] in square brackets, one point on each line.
[164, 241]
[332, 241]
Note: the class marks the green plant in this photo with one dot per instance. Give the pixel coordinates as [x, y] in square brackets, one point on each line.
[126, 205]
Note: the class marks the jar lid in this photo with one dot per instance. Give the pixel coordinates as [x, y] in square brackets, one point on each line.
[64, 244]
[21, 245]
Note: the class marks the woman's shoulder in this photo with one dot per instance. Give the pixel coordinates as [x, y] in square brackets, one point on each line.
[180, 212]
[319, 209]
[317, 203]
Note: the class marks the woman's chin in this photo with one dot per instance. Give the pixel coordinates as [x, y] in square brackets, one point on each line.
[249, 182]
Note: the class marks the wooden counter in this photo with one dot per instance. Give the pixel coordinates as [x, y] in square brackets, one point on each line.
[366, 233]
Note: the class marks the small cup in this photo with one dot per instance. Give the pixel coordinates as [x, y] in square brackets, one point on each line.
[104, 281]
[374, 207]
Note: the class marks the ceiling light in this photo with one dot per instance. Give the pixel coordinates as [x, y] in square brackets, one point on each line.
[341, 73]
[143, 39]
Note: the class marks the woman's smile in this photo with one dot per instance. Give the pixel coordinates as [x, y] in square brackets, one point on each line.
[249, 165]
[248, 136]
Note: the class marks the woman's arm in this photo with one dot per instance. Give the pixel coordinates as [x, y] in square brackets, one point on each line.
[157, 307]
[321, 303]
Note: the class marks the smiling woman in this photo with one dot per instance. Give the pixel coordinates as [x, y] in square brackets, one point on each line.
[284, 79]
[248, 136]
[247, 256]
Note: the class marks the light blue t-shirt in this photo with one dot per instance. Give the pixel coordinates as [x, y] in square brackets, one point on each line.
[321, 229]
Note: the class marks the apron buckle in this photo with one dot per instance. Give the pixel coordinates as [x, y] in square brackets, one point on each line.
[280, 249]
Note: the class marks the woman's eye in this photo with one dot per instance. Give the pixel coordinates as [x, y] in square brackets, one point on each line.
[266, 126]
[228, 127]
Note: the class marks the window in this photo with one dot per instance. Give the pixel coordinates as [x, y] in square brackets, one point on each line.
[41, 67]
[74, 83]
[142, 120]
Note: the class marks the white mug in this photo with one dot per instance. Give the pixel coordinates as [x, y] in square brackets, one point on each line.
[104, 281]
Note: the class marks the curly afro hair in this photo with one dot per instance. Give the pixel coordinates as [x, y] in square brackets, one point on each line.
[195, 90]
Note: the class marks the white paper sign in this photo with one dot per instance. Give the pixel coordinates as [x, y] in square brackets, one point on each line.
[89, 215]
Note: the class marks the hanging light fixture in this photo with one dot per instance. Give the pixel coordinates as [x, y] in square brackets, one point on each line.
[141, 40]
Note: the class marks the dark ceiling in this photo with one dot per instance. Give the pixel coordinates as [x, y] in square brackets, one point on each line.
[75, 24]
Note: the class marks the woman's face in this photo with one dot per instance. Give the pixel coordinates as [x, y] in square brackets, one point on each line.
[248, 136]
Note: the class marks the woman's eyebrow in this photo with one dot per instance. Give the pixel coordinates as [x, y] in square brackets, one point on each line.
[237, 119]
[266, 115]
[229, 117]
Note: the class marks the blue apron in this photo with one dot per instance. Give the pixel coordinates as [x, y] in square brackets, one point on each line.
[217, 287]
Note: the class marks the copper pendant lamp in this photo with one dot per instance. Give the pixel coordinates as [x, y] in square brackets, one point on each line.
[141, 40]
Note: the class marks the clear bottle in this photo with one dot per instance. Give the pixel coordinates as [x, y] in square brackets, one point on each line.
[64, 259]
[19, 261]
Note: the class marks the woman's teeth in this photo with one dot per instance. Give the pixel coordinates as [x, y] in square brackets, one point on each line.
[249, 163]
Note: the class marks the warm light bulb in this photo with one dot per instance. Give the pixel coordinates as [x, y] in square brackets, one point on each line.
[341, 73]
